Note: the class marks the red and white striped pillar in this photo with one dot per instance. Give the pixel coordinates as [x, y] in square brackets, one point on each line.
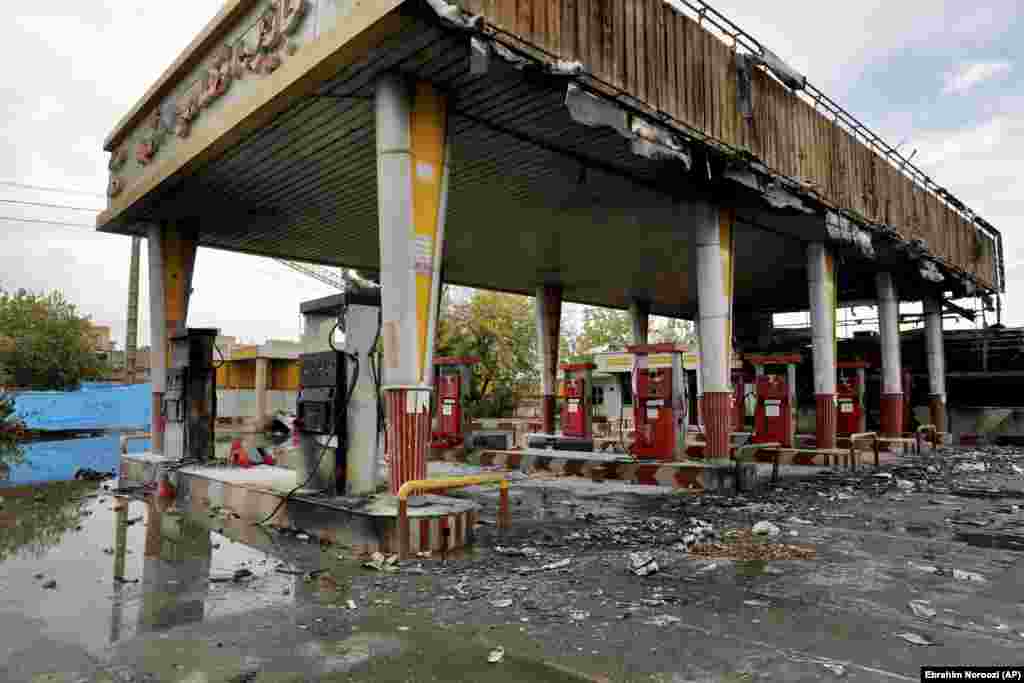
[821, 282]
[408, 411]
[714, 255]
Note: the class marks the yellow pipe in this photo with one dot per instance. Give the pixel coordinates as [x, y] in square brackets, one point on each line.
[424, 485]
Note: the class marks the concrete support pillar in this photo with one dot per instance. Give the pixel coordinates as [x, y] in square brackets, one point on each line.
[793, 408]
[549, 322]
[412, 179]
[892, 385]
[157, 336]
[714, 252]
[936, 362]
[640, 315]
[132, 329]
[698, 414]
[262, 387]
[363, 437]
[821, 282]
[172, 258]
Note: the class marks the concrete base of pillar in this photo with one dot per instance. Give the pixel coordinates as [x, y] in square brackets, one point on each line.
[363, 524]
[717, 424]
[408, 414]
[825, 420]
[937, 412]
[892, 414]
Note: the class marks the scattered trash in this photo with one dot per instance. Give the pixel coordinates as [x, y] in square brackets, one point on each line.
[556, 565]
[905, 484]
[797, 520]
[525, 551]
[837, 669]
[1018, 470]
[578, 615]
[50, 584]
[969, 467]
[922, 609]
[765, 528]
[382, 563]
[642, 564]
[351, 604]
[757, 603]
[915, 639]
[794, 532]
[882, 475]
[403, 628]
[501, 604]
[302, 537]
[974, 577]
[241, 575]
[663, 620]
[926, 568]
[496, 655]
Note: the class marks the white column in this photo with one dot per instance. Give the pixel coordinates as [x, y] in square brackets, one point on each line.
[821, 285]
[888, 324]
[157, 333]
[934, 348]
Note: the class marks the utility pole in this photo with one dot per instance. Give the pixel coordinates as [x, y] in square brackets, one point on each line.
[131, 341]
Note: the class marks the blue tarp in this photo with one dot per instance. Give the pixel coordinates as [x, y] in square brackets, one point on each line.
[94, 406]
[59, 460]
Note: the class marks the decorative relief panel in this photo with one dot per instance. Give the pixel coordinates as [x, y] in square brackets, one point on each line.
[256, 48]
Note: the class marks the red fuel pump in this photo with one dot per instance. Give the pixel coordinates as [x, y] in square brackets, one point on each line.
[739, 405]
[576, 419]
[773, 419]
[849, 409]
[659, 405]
[451, 383]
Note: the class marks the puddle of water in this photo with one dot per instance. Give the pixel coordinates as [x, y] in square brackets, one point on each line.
[58, 460]
[84, 538]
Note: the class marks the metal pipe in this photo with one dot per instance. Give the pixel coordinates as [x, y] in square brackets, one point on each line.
[424, 485]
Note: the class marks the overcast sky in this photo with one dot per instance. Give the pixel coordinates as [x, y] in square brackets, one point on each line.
[942, 77]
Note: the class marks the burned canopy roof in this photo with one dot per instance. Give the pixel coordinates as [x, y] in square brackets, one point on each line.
[579, 132]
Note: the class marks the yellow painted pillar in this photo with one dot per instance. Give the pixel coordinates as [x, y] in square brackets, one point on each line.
[412, 175]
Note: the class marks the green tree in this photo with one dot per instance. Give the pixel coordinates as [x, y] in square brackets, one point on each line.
[671, 330]
[11, 428]
[500, 329]
[50, 345]
[604, 328]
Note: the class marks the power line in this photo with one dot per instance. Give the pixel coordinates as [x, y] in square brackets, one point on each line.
[41, 188]
[49, 206]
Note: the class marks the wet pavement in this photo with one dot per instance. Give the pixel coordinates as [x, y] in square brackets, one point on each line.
[869, 577]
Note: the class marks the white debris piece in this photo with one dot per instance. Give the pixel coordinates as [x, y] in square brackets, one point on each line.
[663, 620]
[973, 577]
[915, 639]
[797, 520]
[969, 467]
[922, 609]
[765, 528]
[501, 604]
[642, 564]
[496, 655]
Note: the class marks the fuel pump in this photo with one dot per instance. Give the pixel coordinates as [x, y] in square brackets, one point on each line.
[451, 380]
[850, 412]
[576, 411]
[190, 400]
[740, 380]
[775, 411]
[659, 402]
[773, 419]
[321, 418]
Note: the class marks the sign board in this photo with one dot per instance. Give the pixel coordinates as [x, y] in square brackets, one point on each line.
[623, 361]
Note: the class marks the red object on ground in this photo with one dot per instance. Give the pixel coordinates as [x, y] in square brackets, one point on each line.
[165, 489]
